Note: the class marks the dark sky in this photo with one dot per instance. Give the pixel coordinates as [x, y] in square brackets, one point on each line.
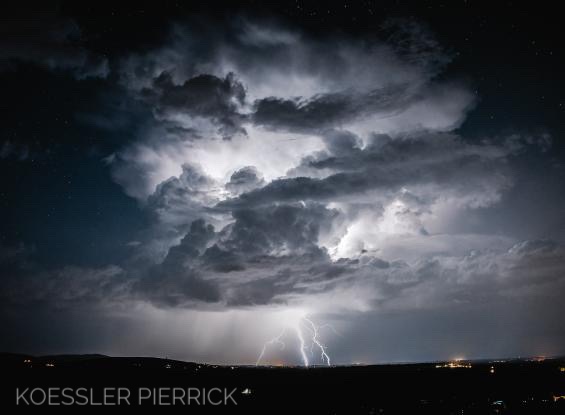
[192, 180]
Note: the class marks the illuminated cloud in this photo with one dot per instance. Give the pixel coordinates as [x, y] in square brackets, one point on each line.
[282, 173]
[326, 175]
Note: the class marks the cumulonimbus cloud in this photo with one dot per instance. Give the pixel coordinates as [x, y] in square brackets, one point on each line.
[281, 168]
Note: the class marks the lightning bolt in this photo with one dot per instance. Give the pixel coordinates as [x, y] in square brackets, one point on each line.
[271, 342]
[313, 338]
[317, 342]
[302, 345]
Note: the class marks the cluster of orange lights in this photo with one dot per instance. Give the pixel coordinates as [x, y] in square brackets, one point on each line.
[455, 365]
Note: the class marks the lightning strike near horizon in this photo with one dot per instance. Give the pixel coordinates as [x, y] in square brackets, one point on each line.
[317, 342]
[298, 327]
[270, 342]
[302, 345]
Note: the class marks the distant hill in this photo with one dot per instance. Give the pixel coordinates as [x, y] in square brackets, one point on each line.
[509, 386]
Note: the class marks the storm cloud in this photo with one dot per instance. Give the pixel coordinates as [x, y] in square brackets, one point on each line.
[274, 173]
[285, 170]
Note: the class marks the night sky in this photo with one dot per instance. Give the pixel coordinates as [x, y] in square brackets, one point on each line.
[192, 180]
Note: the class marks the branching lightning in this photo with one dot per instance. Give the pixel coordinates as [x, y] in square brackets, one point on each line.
[300, 326]
[316, 341]
[274, 340]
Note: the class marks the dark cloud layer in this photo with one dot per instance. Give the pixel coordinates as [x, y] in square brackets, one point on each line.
[326, 111]
[176, 281]
[244, 180]
[51, 42]
[386, 165]
[204, 96]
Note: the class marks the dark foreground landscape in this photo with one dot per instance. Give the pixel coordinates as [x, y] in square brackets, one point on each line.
[515, 386]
